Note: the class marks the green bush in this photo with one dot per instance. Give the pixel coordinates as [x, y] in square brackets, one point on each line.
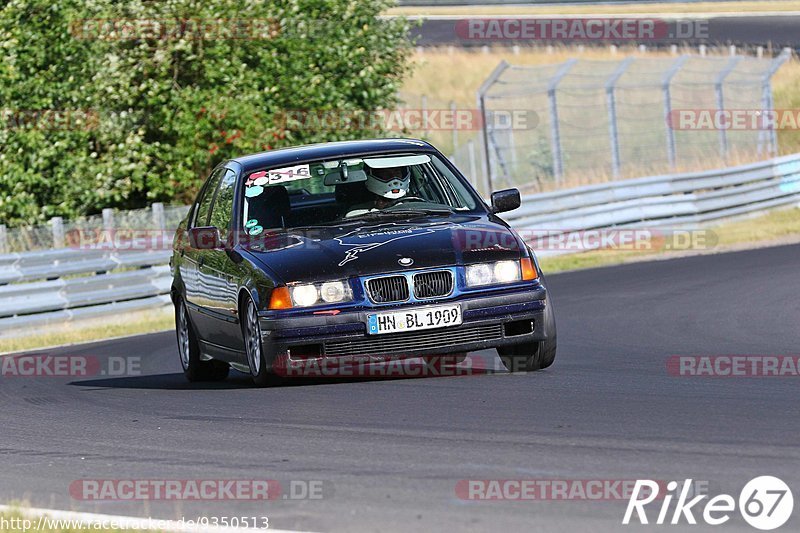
[143, 116]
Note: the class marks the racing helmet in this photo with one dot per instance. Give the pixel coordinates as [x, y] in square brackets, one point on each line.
[391, 183]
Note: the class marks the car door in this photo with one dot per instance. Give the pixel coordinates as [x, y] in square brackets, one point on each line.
[219, 273]
[197, 298]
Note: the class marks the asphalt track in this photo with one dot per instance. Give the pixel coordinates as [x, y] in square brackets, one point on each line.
[391, 451]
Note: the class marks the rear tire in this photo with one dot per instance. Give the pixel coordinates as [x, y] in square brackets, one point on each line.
[194, 368]
[535, 355]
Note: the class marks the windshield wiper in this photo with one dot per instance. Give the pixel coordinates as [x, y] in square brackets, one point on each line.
[422, 211]
[388, 213]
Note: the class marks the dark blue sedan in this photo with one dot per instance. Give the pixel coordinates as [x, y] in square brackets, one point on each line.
[352, 251]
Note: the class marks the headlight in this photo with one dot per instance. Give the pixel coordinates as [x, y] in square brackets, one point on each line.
[333, 291]
[493, 273]
[506, 271]
[308, 294]
[480, 274]
[304, 295]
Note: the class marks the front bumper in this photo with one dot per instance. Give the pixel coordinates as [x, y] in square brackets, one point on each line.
[489, 321]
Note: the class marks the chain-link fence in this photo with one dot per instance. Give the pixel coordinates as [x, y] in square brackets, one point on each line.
[60, 234]
[606, 120]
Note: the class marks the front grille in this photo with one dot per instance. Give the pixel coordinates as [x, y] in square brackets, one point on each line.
[388, 289]
[412, 342]
[433, 284]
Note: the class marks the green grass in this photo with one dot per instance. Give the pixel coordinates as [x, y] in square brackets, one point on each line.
[92, 330]
[775, 227]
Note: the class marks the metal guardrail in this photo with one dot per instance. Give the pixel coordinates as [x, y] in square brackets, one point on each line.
[673, 200]
[53, 286]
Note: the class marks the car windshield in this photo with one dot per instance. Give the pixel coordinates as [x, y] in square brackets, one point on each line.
[345, 190]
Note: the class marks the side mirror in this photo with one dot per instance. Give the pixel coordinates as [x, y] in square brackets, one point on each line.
[205, 238]
[505, 200]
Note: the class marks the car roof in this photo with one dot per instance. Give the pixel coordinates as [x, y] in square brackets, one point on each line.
[331, 150]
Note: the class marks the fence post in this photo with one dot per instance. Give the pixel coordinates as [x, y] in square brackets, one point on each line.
[482, 90]
[676, 66]
[3, 239]
[57, 226]
[453, 111]
[424, 109]
[555, 134]
[611, 103]
[766, 99]
[723, 134]
[159, 221]
[473, 161]
[108, 220]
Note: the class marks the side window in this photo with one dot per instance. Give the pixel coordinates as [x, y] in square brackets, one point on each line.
[206, 196]
[223, 206]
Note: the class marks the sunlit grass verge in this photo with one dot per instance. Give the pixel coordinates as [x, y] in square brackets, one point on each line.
[773, 228]
[24, 522]
[131, 323]
[665, 7]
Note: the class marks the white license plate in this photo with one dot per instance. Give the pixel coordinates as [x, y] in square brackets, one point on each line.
[437, 316]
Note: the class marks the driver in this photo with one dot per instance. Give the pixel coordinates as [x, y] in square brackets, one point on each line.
[387, 185]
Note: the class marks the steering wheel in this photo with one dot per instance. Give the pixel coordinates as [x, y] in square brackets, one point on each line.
[406, 199]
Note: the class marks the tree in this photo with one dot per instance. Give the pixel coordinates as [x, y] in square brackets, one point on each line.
[145, 98]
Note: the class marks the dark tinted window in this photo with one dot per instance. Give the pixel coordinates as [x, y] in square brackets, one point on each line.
[206, 196]
[223, 205]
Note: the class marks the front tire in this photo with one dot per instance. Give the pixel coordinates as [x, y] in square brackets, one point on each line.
[535, 355]
[251, 330]
[194, 368]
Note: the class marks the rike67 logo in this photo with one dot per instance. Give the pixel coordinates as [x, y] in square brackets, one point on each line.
[765, 503]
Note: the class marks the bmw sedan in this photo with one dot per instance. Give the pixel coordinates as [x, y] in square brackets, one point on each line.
[373, 250]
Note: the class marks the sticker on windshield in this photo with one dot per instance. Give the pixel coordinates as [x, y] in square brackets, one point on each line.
[253, 191]
[278, 175]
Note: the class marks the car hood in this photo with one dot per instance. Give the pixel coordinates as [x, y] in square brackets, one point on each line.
[374, 247]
